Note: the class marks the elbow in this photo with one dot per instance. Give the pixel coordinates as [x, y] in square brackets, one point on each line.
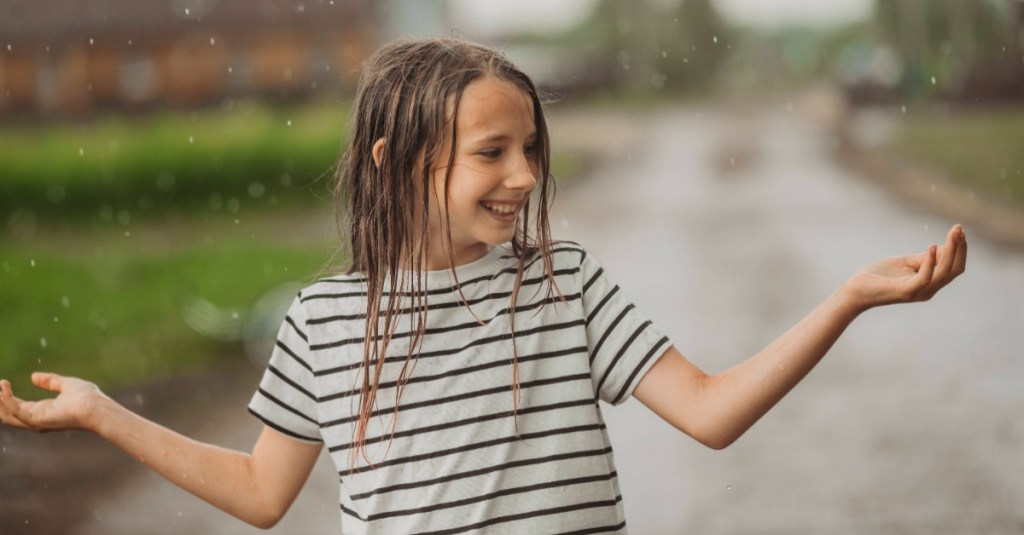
[264, 520]
[716, 439]
[264, 517]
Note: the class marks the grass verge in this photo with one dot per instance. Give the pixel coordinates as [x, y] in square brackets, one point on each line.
[983, 149]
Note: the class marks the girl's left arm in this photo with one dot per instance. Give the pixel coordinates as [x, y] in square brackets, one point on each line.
[717, 409]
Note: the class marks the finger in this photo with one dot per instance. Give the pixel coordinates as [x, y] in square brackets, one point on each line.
[947, 253]
[9, 409]
[924, 274]
[960, 263]
[48, 381]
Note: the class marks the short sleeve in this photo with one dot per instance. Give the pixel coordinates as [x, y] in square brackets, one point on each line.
[286, 399]
[623, 344]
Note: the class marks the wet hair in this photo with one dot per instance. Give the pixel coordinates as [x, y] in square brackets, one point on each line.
[408, 95]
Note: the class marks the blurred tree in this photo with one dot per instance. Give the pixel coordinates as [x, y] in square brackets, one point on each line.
[964, 48]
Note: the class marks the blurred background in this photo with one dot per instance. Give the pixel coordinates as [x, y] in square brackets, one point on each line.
[166, 177]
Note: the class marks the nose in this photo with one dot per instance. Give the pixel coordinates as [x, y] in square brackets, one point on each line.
[521, 176]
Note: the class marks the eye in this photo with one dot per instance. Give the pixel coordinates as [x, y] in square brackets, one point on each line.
[532, 148]
[491, 153]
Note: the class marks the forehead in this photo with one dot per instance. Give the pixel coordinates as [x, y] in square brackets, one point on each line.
[493, 106]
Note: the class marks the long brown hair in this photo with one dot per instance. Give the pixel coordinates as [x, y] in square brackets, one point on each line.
[408, 95]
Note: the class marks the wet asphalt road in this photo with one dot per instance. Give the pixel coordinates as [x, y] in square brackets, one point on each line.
[726, 228]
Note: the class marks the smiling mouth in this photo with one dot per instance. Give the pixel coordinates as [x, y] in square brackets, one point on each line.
[503, 209]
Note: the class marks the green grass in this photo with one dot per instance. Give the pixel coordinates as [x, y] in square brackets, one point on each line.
[205, 160]
[113, 313]
[983, 149]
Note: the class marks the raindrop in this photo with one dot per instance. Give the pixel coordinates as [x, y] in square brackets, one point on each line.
[229, 68]
[234, 315]
[256, 190]
[81, 151]
[714, 38]
[289, 122]
[933, 80]
[42, 342]
[903, 108]
[8, 47]
[300, 8]
[728, 487]
[664, 54]
[213, 41]
[32, 262]
[91, 41]
[186, 13]
[179, 512]
[237, 221]
[65, 302]
[129, 42]
[127, 234]
[190, 140]
[56, 319]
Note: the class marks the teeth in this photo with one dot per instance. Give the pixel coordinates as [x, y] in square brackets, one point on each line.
[503, 209]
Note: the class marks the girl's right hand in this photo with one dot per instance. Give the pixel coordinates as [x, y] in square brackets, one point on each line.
[73, 408]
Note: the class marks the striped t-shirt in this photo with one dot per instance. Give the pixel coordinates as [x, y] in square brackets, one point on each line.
[459, 462]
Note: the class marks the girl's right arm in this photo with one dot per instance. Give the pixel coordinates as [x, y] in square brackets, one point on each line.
[256, 487]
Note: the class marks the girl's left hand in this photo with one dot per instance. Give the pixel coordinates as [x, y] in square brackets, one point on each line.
[904, 279]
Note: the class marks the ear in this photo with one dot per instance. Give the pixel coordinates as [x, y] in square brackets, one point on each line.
[378, 151]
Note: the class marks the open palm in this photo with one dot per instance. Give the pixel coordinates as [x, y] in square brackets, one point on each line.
[909, 278]
[71, 409]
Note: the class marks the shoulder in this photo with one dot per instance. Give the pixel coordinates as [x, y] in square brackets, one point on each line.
[343, 294]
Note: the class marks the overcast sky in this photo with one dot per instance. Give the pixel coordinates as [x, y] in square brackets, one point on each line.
[487, 16]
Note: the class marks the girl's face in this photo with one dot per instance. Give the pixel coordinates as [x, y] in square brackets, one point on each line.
[495, 168]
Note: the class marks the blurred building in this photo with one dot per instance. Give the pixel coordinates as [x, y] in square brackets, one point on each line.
[70, 57]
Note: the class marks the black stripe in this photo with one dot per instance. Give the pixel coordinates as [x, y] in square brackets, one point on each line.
[599, 529]
[290, 382]
[480, 445]
[461, 371]
[608, 332]
[593, 279]
[296, 327]
[600, 305]
[528, 514]
[447, 328]
[493, 495]
[444, 290]
[286, 406]
[350, 512]
[273, 425]
[638, 367]
[452, 351]
[291, 353]
[622, 351]
[459, 397]
[470, 421]
[436, 306]
[482, 471]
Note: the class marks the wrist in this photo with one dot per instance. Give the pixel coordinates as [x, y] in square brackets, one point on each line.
[98, 412]
[847, 303]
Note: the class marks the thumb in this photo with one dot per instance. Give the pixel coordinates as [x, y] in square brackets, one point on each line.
[48, 381]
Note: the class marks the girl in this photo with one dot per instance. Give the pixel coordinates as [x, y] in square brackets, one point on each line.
[454, 371]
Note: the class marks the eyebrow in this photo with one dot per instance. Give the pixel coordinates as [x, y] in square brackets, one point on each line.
[497, 136]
